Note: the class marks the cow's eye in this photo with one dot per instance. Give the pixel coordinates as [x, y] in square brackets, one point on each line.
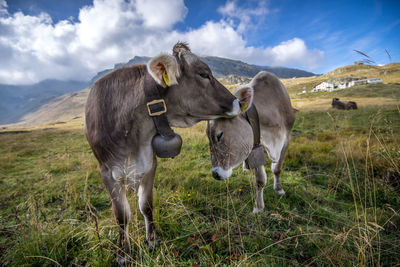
[205, 76]
[219, 136]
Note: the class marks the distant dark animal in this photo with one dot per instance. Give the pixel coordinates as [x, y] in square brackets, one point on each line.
[120, 130]
[345, 105]
[231, 140]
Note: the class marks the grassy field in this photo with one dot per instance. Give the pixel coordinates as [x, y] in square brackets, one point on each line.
[341, 176]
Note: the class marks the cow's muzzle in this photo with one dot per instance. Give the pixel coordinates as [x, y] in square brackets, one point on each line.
[220, 173]
[235, 109]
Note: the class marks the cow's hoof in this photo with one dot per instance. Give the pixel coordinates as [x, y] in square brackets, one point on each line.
[244, 167]
[153, 244]
[257, 210]
[280, 192]
[123, 260]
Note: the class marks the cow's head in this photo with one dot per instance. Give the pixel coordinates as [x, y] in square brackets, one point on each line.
[193, 93]
[231, 139]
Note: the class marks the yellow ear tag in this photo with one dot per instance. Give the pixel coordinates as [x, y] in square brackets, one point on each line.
[165, 77]
[243, 107]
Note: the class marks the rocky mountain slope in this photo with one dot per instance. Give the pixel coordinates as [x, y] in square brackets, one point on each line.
[222, 67]
[16, 101]
[64, 108]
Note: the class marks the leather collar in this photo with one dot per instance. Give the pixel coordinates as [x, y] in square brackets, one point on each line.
[156, 107]
[166, 143]
[252, 117]
[256, 157]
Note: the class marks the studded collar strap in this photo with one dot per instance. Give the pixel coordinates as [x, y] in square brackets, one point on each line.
[252, 117]
[156, 107]
[256, 157]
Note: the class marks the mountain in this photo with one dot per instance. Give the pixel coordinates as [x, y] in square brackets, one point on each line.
[133, 61]
[222, 67]
[29, 103]
[18, 100]
[64, 108]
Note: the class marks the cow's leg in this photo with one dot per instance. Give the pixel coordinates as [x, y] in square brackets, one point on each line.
[122, 213]
[245, 167]
[276, 168]
[145, 194]
[261, 181]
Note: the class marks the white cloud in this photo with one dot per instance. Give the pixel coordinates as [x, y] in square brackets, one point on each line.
[107, 32]
[33, 48]
[3, 7]
[160, 13]
[294, 52]
[247, 17]
[217, 39]
[221, 39]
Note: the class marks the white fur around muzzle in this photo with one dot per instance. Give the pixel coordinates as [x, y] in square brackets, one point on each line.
[223, 174]
[235, 108]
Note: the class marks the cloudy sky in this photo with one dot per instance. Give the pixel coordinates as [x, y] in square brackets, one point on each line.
[74, 39]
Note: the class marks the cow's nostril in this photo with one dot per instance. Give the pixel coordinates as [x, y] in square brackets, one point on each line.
[215, 174]
[235, 108]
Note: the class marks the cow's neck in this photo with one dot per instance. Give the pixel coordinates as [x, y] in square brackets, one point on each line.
[176, 115]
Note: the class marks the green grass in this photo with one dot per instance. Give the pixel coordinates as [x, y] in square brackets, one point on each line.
[341, 176]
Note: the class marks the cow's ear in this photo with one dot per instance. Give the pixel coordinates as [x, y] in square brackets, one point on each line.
[164, 70]
[245, 95]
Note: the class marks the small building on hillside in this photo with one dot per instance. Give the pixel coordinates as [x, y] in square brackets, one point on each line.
[358, 82]
[302, 92]
[324, 86]
[374, 81]
[343, 83]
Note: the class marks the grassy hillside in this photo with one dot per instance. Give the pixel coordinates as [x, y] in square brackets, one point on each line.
[63, 109]
[71, 106]
[18, 100]
[341, 175]
[390, 75]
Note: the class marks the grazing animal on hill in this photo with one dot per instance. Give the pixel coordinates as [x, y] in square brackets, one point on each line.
[121, 125]
[336, 103]
[234, 140]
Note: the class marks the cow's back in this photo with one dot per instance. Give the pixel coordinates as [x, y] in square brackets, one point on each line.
[272, 101]
[110, 109]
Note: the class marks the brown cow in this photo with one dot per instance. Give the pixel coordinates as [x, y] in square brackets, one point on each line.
[346, 105]
[231, 140]
[120, 131]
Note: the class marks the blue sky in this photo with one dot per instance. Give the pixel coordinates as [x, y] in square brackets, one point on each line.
[66, 39]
